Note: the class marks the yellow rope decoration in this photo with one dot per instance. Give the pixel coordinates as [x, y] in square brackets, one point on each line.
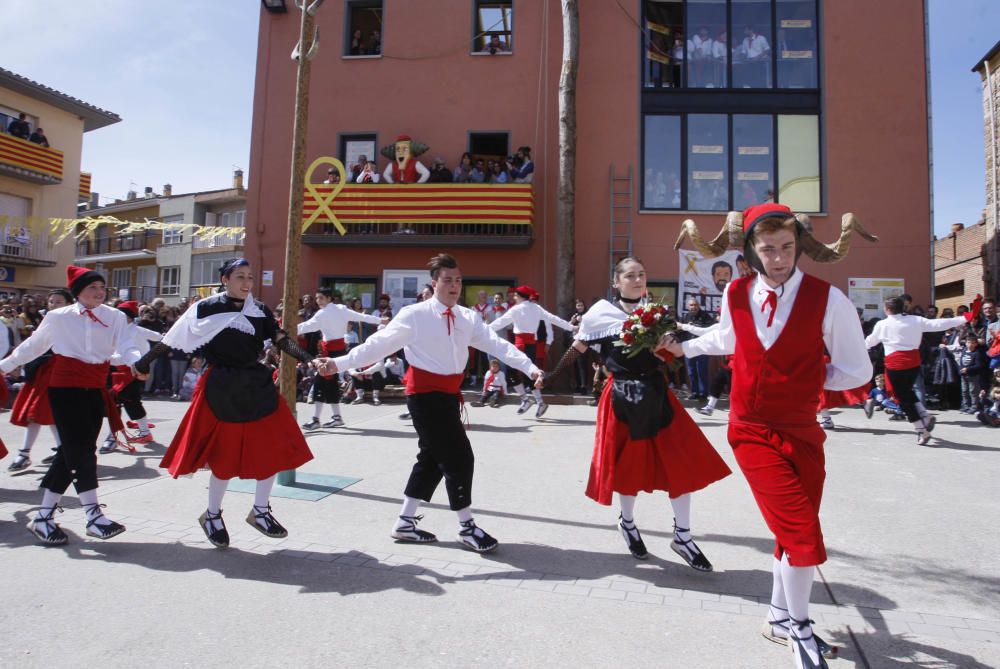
[80, 228]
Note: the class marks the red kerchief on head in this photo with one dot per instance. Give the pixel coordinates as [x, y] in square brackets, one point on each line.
[524, 291]
[759, 212]
[130, 307]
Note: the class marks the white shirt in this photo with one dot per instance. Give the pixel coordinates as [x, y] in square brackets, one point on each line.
[499, 381]
[700, 48]
[755, 47]
[377, 368]
[849, 365]
[719, 50]
[361, 177]
[395, 367]
[898, 332]
[70, 332]
[134, 344]
[526, 316]
[421, 330]
[332, 321]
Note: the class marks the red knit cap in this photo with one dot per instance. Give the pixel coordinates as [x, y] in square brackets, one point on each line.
[130, 307]
[78, 278]
[524, 291]
[759, 212]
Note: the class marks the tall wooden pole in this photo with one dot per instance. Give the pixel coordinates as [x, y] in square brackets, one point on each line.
[566, 195]
[290, 315]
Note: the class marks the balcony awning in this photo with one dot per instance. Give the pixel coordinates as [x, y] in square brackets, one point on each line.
[505, 204]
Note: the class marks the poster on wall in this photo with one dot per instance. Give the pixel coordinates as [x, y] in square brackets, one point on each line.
[869, 294]
[354, 149]
[403, 285]
[705, 279]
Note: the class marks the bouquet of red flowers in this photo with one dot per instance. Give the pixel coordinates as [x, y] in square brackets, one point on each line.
[643, 329]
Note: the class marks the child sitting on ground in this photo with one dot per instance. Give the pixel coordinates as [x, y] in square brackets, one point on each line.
[191, 377]
[493, 387]
[990, 413]
[879, 400]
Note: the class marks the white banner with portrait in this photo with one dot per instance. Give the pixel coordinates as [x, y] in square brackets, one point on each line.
[705, 279]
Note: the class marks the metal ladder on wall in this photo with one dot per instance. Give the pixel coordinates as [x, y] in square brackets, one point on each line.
[620, 217]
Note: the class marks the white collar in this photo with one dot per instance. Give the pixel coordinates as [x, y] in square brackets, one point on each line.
[790, 286]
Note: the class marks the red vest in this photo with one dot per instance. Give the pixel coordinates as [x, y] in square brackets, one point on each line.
[780, 386]
[409, 174]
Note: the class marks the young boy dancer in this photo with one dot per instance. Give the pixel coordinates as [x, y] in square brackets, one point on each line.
[777, 381]
[83, 336]
[526, 316]
[331, 320]
[436, 335]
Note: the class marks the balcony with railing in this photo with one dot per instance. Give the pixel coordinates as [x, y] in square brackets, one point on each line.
[494, 215]
[28, 161]
[22, 246]
[132, 246]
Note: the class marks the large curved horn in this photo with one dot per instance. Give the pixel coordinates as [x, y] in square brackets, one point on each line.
[836, 251]
[731, 235]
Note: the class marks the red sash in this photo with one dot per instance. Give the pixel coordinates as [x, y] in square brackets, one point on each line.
[69, 372]
[522, 339]
[422, 381]
[489, 381]
[329, 346]
[903, 360]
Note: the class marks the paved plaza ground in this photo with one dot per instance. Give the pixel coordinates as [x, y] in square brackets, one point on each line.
[913, 577]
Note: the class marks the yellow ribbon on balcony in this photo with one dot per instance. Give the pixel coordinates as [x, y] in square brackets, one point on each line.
[323, 201]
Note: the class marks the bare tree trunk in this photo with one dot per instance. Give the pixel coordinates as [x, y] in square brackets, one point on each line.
[566, 194]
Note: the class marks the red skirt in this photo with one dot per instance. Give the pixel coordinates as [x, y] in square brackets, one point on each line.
[831, 399]
[253, 450]
[679, 459]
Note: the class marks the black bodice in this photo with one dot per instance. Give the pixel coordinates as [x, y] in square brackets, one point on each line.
[232, 347]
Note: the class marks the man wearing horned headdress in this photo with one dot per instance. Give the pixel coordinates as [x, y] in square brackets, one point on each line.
[776, 323]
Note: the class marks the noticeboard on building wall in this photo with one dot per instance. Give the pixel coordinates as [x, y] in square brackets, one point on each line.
[403, 285]
[869, 294]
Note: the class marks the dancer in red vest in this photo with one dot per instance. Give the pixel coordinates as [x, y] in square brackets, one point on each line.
[436, 335]
[83, 336]
[775, 324]
[645, 440]
[900, 335]
[237, 424]
[31, 408]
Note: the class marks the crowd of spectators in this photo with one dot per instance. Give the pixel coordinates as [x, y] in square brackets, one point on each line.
[516, 168]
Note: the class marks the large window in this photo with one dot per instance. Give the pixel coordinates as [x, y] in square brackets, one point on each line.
[173, 235]
[170, 280]
[205, 268]
[357, 148]
[722, 162]
[364, 28]
[493, 31]
[121, 279]
[741, 44]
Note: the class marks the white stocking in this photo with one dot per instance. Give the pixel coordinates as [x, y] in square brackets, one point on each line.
[627, 503]
[682, 516]
[797, 582]
[216, 491]
[93, 510]
[409, 509]
[30, 434]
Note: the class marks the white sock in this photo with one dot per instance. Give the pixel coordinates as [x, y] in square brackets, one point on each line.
[682, 516]
[779, 607]
[627, 503]
[143, 425]
[825, 414]
[537, 395]
[519, 389]
[30, 434]
[360, 392]
[216, 491]
[317, 410]
[375, 395]
[410, 506]
[262, 493]
[918, 425]
[464, 515]
[50, 499]
[797, 583]
[336, 410]
[711, 401]
[93, 509]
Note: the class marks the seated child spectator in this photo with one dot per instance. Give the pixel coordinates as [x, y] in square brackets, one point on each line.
[191, 377]
[395, 368]
[989, 414]
[494, 387]
[370, 378]
[880, 400]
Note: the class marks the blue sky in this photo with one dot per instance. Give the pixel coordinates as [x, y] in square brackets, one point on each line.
[180, 74]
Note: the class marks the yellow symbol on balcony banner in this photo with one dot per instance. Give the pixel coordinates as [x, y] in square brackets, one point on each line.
[323, 201]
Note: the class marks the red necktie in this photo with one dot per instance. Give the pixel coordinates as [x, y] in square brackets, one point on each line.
[449, 318]
[772, 300]
[88, 312]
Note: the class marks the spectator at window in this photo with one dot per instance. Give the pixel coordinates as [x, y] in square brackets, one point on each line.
[358, 166]
[358, 47]
[38, 137]
[375, 43]
[499, 173]
[440, 174]
[368, 175]
[463, 173]
[19, 127]
[495, 45]
[525, 172]
[332, 176]
[479, 172]
[754, 46]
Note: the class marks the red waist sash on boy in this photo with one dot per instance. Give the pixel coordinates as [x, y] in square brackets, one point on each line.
[522, 339]
[328, 346]
[69, 372]
[903, 359]
[421, 381]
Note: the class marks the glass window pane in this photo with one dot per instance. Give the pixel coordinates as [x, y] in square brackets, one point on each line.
[707, 44]
[796, 44]
[753, 159]
[708, 162]
[664, 41]
[493, 27]
[751, 31]
[662, 168]
[798, 162]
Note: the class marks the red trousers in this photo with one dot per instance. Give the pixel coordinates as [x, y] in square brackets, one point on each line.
[785, 470]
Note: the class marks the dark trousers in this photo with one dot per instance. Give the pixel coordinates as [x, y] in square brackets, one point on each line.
[698, 374]
[901, 381]
[372, 382]
[519, 377]
[131, 400]
[445, 451]
[722, 379]
[78, 414]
